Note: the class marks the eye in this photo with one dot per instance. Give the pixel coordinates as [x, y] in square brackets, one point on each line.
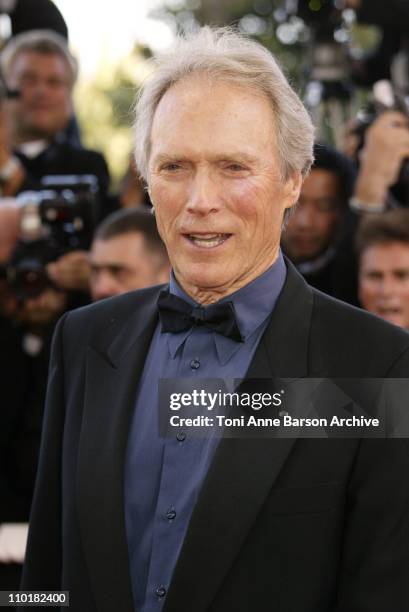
[234, 167]
[402, 275]
[373, 275]
[27, 80]
[56, 83]
[170, 167]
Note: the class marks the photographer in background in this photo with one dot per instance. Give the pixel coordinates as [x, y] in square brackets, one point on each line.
[380, 183]
[28, 313]
[33, 142]
[26, 327]
[126, 254]
[32, 145]
[383, 180]
[315, 236]
[383, 250]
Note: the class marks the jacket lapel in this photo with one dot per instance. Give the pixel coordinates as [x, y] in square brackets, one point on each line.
[243, 470]
[114, 367]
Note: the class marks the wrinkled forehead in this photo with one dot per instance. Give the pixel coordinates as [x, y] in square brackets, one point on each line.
[201, 111]
[216, 91]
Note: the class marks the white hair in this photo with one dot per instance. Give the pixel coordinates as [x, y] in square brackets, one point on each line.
[38, 41]
[224, 54]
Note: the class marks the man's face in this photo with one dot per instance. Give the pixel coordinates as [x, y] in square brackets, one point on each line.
[123, 263]
[44, 106]
[384, 281]
[314, 222]
[215, 183]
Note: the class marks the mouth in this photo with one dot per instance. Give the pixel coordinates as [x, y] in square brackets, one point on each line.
[207, 241]
[389, 312]
[41, 107]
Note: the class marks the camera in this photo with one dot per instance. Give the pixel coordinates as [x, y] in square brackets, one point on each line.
[55, 220]
[321, 23]
[322, 28]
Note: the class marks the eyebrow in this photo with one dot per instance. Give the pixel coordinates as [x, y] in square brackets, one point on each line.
[113, 267]
[237, 157]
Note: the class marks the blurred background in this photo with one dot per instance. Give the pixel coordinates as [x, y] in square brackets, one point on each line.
[114, 42]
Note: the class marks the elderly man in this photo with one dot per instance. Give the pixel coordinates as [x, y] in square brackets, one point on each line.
[126, 520]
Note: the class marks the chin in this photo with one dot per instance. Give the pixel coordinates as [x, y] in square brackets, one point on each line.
[203, 277]
[205, 281]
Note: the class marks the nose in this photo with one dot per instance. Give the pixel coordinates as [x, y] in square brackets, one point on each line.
[303, 216]
[103, 285]
[204, 193]
[39, 88]
[388, 287]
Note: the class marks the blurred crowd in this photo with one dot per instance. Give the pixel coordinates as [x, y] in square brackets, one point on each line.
[65, 240]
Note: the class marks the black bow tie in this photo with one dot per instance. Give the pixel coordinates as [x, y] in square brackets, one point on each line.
[176, 315]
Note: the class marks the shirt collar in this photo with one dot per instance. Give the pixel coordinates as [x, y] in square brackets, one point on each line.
[32, 149]
[253, 304]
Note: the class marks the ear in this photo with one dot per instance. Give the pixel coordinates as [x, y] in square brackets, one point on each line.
[292, 188]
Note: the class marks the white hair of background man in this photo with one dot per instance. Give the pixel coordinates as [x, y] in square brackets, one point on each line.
[224, 54]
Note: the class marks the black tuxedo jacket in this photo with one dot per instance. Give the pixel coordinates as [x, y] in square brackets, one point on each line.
[280, 525]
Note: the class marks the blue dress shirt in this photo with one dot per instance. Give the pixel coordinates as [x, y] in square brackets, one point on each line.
[163, 477]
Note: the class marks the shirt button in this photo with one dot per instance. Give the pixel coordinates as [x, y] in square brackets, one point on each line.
[171, 514]
[181, 436]
[195, 364]
[160, 592]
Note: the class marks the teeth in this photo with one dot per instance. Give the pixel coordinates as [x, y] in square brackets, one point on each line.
[208, 240]
[205, 236]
